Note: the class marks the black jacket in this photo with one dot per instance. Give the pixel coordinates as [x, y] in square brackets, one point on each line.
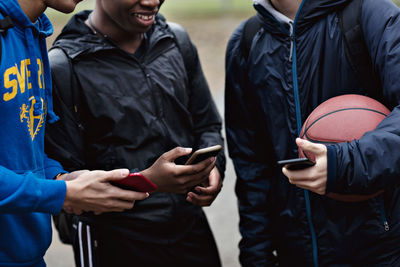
[291, 69]
[133, 109]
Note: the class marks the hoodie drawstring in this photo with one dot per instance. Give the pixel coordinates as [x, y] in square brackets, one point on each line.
[39, 83]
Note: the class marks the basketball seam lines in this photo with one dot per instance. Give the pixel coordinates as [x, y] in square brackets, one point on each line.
[305, 130]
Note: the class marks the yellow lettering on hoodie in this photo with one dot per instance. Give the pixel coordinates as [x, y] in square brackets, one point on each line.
[28, 72]
[21, 75]
[40, 75]
[10, 83]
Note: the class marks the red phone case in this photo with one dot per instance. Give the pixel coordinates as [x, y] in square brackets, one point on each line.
[137, 182]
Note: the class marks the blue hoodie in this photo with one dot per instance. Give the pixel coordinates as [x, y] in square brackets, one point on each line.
[28, 195]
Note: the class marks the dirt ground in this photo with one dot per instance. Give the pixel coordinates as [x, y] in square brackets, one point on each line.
[210, 36]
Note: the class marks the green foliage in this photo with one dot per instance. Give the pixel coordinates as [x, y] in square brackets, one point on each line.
[178, 9]
[59, 19]
[206, 8]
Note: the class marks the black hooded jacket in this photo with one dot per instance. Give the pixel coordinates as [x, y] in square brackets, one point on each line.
[133, 109]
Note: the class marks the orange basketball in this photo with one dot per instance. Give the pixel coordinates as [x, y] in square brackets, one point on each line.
[340, 119]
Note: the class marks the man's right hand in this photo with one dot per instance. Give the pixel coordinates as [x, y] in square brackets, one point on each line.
[173, 178]
[92, 191]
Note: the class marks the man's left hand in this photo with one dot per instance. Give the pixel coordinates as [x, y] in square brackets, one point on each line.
[312, 178]
[207, 193]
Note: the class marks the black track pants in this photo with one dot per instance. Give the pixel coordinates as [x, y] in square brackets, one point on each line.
[95, 246]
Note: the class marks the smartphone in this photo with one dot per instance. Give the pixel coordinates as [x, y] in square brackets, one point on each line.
[137, 182]
[202, 154]
[296, 164]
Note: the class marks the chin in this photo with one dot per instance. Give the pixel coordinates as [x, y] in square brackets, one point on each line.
[64, 6]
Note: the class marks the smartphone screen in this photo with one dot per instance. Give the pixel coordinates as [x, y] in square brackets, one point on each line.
[296, 164]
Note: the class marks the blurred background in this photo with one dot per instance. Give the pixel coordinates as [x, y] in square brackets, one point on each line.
[210, 24]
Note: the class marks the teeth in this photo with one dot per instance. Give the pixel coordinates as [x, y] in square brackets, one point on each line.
[144, 17]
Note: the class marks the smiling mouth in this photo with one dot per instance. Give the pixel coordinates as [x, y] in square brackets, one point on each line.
[144, 17]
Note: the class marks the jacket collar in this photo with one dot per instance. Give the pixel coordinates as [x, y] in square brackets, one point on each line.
[76, 38]
[309, 13]
[266, 4]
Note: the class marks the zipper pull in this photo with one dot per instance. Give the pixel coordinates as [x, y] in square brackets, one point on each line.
[383, 214]
[386, 224]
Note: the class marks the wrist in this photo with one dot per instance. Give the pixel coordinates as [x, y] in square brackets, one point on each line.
[69, 195]
[59, 176]
[148, 175]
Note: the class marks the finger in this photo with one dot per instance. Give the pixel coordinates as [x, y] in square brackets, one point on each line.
[315, 187]
[209, 167]
[202, 176]
[75, 211]
[209, 190]
[176, 153]
[118, 205]
[127, 195]
[107, 176]
[68, 210]
[213, 188]
[199, 200]
[299, 175]
[203, 166]
[313, 148]
[213, 185]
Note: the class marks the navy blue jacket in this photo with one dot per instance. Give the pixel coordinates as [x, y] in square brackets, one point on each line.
[269, 96]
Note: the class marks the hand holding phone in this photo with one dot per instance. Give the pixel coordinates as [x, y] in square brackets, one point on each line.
[204, 153]
[137, 182]
[296, 164]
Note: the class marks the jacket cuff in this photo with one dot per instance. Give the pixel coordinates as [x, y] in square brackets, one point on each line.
[51, 195]
[220, 164]
[332, 162]
[52, 168]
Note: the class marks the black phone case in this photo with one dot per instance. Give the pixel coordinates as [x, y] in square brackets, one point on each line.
[296, 164]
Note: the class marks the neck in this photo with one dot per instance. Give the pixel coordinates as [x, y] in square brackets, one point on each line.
[32, 8]
[287, 7]
[105, 27]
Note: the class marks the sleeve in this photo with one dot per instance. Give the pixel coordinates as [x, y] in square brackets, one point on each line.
[21, 193]
[206, 119]
[52, 168]
[248, 149]
[372, 163]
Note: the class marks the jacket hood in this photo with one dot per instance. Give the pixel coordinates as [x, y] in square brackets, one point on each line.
[309, 12]
[77, 39]
[13, 9]
[33, 34]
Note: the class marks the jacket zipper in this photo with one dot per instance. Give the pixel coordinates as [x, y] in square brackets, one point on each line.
[383, 214]
[148, 75]
[293, 59]
[158, 108]
[291, 42]
[149, 85]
